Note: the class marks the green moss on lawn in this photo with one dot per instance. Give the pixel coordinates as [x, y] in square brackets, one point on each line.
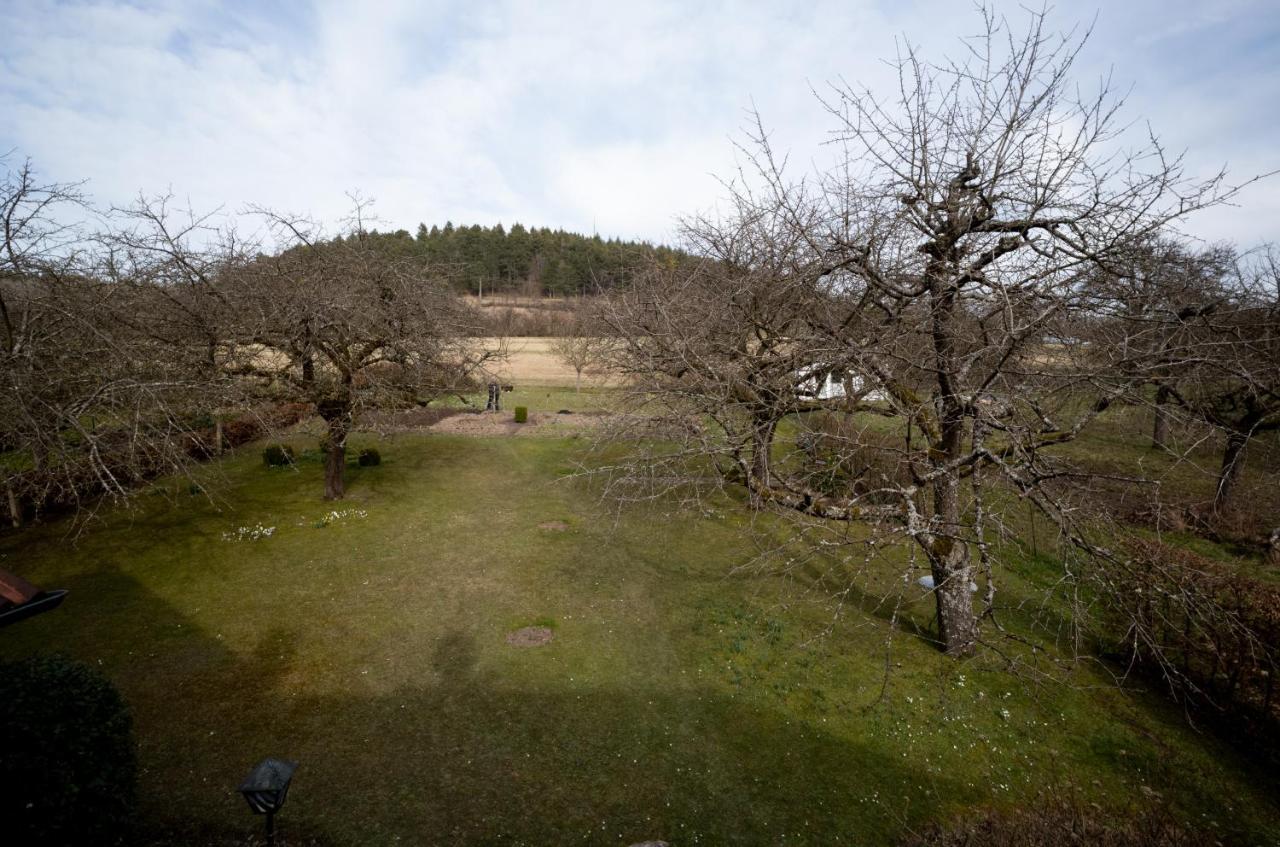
[679, 699]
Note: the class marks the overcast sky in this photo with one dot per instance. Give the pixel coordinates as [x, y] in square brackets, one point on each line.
[612, 116]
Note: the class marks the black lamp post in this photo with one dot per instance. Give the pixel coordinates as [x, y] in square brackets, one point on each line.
[266, 787]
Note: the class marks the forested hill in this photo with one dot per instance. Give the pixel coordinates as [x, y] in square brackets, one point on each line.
[531, 261]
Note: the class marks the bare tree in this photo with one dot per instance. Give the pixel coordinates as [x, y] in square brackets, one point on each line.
[337, 323]
[90, 404]
[1228, 361]
[1145, 302]
[943, 262]
[718, 352]
[580, 346]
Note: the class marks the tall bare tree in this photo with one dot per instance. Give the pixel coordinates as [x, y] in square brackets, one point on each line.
[944, 261]
[91, 404]
[332, 321]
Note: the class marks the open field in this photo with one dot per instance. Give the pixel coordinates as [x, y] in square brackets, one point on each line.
[531, 361]
[677, 700]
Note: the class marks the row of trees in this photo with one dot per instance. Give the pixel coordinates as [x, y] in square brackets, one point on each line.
[531, 262]
[990, 265]
[122, 345]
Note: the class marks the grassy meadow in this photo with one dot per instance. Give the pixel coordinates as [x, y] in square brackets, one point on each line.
[681, 698]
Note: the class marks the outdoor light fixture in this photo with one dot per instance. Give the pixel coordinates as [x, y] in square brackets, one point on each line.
[265, 789]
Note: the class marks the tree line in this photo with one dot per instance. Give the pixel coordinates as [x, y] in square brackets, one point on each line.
[532, 262]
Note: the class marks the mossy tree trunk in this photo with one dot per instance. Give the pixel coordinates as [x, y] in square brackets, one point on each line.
[946, 548]
[337, 416]
[948, 554]
[1233, 458]
[1160, 427]
[763, 428]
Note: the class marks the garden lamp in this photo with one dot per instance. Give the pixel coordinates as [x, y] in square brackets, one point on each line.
[265, 789]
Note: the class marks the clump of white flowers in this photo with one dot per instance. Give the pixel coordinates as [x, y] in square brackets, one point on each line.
[339, 515]
[257, 532]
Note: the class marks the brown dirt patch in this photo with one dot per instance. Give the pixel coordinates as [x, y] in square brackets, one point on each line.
[408, 419]
[529, 636]
[503, 423]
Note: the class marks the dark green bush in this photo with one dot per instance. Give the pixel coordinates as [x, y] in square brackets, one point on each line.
[522, 414]
[67, 769]
[369, 457]
[277, 455]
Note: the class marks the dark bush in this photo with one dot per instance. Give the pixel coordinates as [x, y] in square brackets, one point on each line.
[67, 769]
[277, 455]
[1209, 633]
[522, 414]
[369, 457]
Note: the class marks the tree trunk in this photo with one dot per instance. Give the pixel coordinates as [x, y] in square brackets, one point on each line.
[1232, 465]
[577, 381]
[948, 551]
[337, 414]
[1160, 429]
[217, 436]
[335, 466]
[15, 508]
[949, 562]
[762, 431]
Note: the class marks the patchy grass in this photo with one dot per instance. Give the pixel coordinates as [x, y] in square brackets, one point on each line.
[679, 699]
[538, 398]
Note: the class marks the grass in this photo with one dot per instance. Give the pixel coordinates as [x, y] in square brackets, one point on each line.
[679, 699]
[538, 398]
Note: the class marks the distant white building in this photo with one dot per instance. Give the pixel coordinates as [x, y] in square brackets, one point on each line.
[821, 381]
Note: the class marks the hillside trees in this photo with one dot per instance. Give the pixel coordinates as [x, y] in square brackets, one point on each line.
[531, 262]
[1201, 326]
[724, 347]
[1145, 300]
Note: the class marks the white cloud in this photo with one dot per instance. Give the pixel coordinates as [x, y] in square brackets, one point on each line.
[556, 113]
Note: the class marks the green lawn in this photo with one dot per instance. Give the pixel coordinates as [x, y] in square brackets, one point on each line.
[678, 700]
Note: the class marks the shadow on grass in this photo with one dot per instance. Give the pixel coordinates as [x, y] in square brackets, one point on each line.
[468, 756]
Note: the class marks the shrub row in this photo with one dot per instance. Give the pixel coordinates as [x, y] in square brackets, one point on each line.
[1208, 631]
[244, 428]
[68, 484]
